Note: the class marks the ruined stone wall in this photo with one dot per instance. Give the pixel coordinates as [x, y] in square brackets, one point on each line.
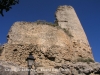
[67, 19]
[50, 45]
[31, 33]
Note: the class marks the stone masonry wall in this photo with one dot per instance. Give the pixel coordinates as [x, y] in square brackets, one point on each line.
[47, 43]
[33, 33]
[50, 45]
[67, 19]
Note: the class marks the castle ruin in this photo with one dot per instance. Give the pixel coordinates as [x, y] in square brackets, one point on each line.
[50, 45]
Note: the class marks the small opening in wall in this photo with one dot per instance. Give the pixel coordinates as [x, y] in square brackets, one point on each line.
[50, 58]
[65, 21]
[80, 55]
[84, 49]
[7, 36]
[15, 50]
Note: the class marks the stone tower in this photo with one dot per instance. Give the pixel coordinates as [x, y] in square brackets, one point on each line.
[67, 19]
[49, 43]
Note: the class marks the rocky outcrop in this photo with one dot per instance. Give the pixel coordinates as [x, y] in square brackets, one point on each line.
[10, 68]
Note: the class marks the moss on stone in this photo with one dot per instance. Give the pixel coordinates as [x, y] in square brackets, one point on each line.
[88, 60]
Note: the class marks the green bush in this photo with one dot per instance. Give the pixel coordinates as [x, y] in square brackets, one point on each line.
[88, 60]
[46, 23]
[55, 24]
[1, 49]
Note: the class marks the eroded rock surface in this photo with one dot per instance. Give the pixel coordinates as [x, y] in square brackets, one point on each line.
[10, 68]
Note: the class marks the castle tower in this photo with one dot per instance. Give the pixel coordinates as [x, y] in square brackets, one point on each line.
[50, 45]
[67, 19]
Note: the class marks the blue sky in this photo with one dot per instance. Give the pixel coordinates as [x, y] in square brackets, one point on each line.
[88, 12]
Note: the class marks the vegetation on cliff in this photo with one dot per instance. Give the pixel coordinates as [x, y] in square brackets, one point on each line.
[1, 49]
[46, 23]
[87, 60]
[55, 24]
